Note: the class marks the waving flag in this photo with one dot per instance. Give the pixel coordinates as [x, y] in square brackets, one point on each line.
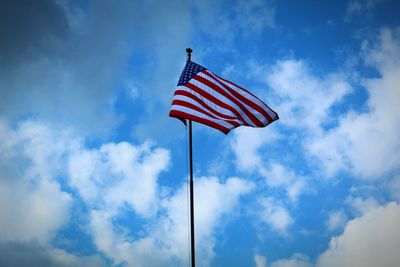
[206, 98]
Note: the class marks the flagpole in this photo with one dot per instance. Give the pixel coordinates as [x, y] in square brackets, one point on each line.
[193, 258]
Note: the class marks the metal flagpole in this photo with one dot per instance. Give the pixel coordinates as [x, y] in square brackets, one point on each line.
[189, 51]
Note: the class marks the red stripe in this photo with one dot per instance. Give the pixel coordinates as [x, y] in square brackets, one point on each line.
[183, 115]
[216, 101]
[247, 101]
[203, 80]
[266, 106]
[194, 107]
[201, 102]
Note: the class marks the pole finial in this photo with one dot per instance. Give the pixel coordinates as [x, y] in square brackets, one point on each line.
[188, 51]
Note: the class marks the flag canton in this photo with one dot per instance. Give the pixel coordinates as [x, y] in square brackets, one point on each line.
[189, 71]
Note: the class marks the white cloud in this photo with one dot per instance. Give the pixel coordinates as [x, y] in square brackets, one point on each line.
[33, 206]
[336, 220]
[366, 143]
[305, 99]
[276, 175]
[132, 89]
[166, 241]
[260, 260]
[394, 187]
[109, 179]
[41, 211]
[370, 240]
[297, 260]
[361, 205]
[214, 198]
[34, 254]
[363, 8]
[246, 144]
[254, 15]
[35, 159]
[246, 17]
[118, 174]
[30, 157]
[215, 203]
[275, 215]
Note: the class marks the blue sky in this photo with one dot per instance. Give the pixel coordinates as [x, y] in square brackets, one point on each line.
[93, 172]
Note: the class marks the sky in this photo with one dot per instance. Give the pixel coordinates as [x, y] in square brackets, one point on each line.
[93, 172]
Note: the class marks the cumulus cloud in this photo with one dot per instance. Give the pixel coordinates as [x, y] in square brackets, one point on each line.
[249, 148]
[370, 240]
[30, 157]
[247, 143]
[366, 143]
[304, 98]
[297, 260]
[394, 187]
[38, 162]
[33, 204]
[33, 254]
[275, 215]
[260, 260]
[362, 205]
[166, 241]
[42, 210]
[117, 174]
[278, 176]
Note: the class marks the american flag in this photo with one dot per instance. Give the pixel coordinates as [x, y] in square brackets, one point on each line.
[204, 97]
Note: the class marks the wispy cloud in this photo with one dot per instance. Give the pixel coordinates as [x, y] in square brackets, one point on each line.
[336, 220]
[275, 215]
[378, 126]
[360, 8]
